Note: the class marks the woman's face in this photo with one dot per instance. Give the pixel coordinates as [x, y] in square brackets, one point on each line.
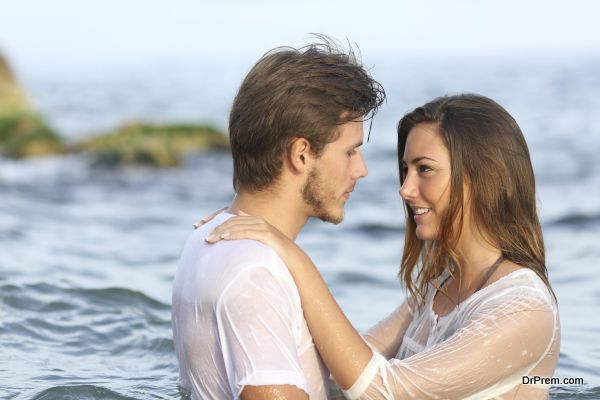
[426, 171]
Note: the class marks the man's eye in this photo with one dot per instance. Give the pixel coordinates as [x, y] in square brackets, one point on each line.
[351, 153]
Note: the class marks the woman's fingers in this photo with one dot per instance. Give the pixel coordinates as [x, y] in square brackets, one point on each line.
[239, 221]
[238, 233]
[209, 217]
[237, 224]
[253, 228]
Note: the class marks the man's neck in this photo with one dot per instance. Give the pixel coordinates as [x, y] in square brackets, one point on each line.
[278, 209]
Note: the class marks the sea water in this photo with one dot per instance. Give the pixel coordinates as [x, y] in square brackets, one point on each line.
[87, 254]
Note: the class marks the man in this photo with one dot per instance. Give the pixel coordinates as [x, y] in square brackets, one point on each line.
[296, 127]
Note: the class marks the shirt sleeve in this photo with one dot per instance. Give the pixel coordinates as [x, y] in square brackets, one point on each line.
[257, 331]
[386, 336]
[500, 342]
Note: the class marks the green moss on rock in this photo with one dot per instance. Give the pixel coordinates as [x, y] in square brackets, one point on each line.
[27, 135]
[23, 133]
[155, 145]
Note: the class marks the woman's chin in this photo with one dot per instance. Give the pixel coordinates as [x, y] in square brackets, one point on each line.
[422, 233]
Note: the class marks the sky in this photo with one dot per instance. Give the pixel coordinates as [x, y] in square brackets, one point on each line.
[66, 33]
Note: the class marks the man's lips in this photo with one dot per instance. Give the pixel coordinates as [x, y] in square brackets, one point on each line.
[346, 194]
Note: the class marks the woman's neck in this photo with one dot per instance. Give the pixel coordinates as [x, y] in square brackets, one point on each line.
[476, 255]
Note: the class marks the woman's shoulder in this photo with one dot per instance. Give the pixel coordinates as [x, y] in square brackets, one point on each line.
[514, 274]
[518, 285]
[510, 273]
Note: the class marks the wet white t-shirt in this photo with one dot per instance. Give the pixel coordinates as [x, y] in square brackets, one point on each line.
[482, 349]
[237, 320]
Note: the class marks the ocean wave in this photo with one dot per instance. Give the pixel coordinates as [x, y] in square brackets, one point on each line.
[83, 321]
[47, 297]
[574, 393]
[75, 392]
[576, 220]
[377, 229]
[353, 278]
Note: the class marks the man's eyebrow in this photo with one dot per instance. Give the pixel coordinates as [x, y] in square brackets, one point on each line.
[355, 145]
[417, 159]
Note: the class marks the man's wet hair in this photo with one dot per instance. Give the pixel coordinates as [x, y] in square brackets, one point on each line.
[289, 93]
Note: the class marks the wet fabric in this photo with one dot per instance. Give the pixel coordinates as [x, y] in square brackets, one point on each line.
[480, 350]
[237, 320]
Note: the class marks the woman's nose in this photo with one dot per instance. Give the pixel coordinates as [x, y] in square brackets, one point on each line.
[407, 190]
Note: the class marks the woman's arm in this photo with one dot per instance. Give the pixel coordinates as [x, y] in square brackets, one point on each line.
[343, 350]
[502, 341]
[486, 358]
[386, 336]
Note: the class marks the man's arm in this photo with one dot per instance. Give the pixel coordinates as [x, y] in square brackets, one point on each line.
[276, 392]
[256, 319]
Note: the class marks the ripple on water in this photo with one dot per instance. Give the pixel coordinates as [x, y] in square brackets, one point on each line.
[577, 221]
[112, 342]
[76, 392]
[575, 392]
[377, 230]
[113, 332]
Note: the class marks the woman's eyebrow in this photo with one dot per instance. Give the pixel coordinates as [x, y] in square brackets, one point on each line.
[417, 159]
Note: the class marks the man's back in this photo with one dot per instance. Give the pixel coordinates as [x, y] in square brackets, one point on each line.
[237, 320]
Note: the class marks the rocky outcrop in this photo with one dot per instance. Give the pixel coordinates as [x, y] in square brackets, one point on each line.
[12, 97]
[154, 145]
[27, 135]
[24, 133]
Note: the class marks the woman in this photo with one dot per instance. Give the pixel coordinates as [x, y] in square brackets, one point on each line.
[480, 313]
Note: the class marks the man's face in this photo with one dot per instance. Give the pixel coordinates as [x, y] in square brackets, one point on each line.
[334, 174]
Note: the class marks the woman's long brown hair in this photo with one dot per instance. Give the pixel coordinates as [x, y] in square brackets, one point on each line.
[487, 148]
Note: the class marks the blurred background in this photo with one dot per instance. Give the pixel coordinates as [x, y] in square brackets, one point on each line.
[94, 211]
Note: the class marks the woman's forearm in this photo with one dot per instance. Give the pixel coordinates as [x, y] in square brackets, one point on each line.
[341, 347]
[343, 350]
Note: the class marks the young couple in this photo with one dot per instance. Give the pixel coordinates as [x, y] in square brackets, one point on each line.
[254, 319]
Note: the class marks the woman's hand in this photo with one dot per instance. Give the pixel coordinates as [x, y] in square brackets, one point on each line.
[337, 341]
[245, 226]
[209, 217]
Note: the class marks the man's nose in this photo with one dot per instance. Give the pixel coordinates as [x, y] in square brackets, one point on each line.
[361, 169]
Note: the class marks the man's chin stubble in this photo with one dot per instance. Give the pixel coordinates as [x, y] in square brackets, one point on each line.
[330, 218]
[312, 196]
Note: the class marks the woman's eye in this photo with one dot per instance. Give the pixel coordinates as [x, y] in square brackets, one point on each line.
[424, 168]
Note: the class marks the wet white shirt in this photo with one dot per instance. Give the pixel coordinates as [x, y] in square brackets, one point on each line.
[237, 320]
[480, 350]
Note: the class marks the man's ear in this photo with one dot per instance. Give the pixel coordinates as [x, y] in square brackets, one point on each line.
[299, 154]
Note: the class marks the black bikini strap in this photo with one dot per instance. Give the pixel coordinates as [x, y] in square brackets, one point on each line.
[490, 271]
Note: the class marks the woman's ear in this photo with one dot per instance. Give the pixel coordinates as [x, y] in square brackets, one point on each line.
[299, 155]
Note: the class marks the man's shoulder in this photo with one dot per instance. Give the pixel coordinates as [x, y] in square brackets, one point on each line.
[231, 251]
[213, 267]
[234, 252]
